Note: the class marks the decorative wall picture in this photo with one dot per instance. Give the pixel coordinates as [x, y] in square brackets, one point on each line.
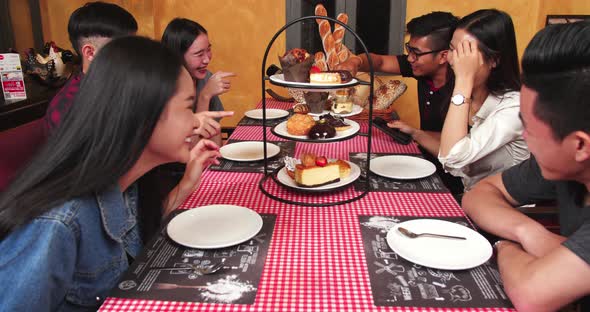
[564, 19]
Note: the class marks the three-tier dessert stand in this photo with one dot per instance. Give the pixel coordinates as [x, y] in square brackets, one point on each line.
[268, 174]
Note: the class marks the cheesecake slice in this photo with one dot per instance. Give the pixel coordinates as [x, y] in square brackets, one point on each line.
[316, 175]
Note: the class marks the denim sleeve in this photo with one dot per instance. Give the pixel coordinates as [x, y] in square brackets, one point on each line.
[39, 260]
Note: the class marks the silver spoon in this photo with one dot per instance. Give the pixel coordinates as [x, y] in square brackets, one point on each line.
[411, 234]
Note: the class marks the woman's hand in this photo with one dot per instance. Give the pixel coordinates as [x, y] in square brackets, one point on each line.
[202, 155]
[208, 126]
[465, 60]
[402, 126]
[217, 84]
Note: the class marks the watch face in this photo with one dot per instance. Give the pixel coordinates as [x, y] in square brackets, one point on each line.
[458, 99]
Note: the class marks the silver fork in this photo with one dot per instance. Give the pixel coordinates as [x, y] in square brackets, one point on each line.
[203, 270]
[411, 234]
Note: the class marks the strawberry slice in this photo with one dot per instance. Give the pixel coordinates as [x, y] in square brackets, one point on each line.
[321, 161]
[314, 70]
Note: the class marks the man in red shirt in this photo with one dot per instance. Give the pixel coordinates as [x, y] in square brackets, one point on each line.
[90, 27]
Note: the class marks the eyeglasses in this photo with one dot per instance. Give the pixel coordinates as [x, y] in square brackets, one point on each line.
[414, 52]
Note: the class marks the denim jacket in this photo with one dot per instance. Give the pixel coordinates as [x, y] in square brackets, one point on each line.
[70, 257]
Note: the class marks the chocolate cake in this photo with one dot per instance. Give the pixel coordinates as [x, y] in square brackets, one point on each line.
[321, 130]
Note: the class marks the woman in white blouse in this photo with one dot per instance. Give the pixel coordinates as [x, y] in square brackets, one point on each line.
[482, 133]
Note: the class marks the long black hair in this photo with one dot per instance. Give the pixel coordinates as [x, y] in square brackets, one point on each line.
[180, 34]
[102, 136]
[495, 32]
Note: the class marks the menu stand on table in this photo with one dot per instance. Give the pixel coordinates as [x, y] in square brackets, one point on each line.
[272, 174]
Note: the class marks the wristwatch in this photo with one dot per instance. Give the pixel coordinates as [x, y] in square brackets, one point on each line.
[460, 99]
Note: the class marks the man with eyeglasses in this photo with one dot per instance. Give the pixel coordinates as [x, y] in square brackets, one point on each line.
[426, 61]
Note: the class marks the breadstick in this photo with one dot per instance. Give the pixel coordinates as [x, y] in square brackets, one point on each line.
[344, 54]
[320, 61]
[321, 11]
[332, 61]
[339, 31]
[325, 29]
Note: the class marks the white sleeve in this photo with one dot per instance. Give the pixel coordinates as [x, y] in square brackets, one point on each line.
[502, 126]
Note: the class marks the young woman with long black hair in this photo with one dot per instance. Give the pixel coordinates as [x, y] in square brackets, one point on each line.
[70, 223]
[190, 40]
[482, 133]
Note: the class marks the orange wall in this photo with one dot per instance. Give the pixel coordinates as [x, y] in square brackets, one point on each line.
[56, 13]
[240, 30]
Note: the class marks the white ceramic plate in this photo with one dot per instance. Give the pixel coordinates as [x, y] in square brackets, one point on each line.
[248, 151]
[281, 130]
[356, 109]
[214, 226]
[440, 253]
[287, 181]
[271, 113]
[402, 167]
[279, 80]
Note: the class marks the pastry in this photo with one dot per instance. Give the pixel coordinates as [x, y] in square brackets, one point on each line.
[321, 130]
[316, 101]
[339, 31]
[333, 76]
[335, 121]
[308, 159]
[317, 176]
[301, 108]
[316, 171]
[344, 167]
[342, 103]
[332, 42]
[324, 78]
[320, 61]
[296, 64]
[300, 124]
[328, 41]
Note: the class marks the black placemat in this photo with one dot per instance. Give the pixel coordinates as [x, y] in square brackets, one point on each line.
[398, 282]
[237, 282]
[287, 149]
[430, 184]
[246, 121]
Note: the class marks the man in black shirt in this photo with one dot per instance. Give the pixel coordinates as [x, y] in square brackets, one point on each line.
[426, 61]
[543, 271]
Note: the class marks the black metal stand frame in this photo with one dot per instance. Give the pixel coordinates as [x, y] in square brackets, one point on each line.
[268, 174]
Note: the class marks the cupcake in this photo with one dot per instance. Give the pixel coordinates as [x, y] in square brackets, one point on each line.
[296, 64]
[316, 101]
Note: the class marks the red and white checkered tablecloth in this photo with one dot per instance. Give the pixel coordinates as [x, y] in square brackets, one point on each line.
[316, 259]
